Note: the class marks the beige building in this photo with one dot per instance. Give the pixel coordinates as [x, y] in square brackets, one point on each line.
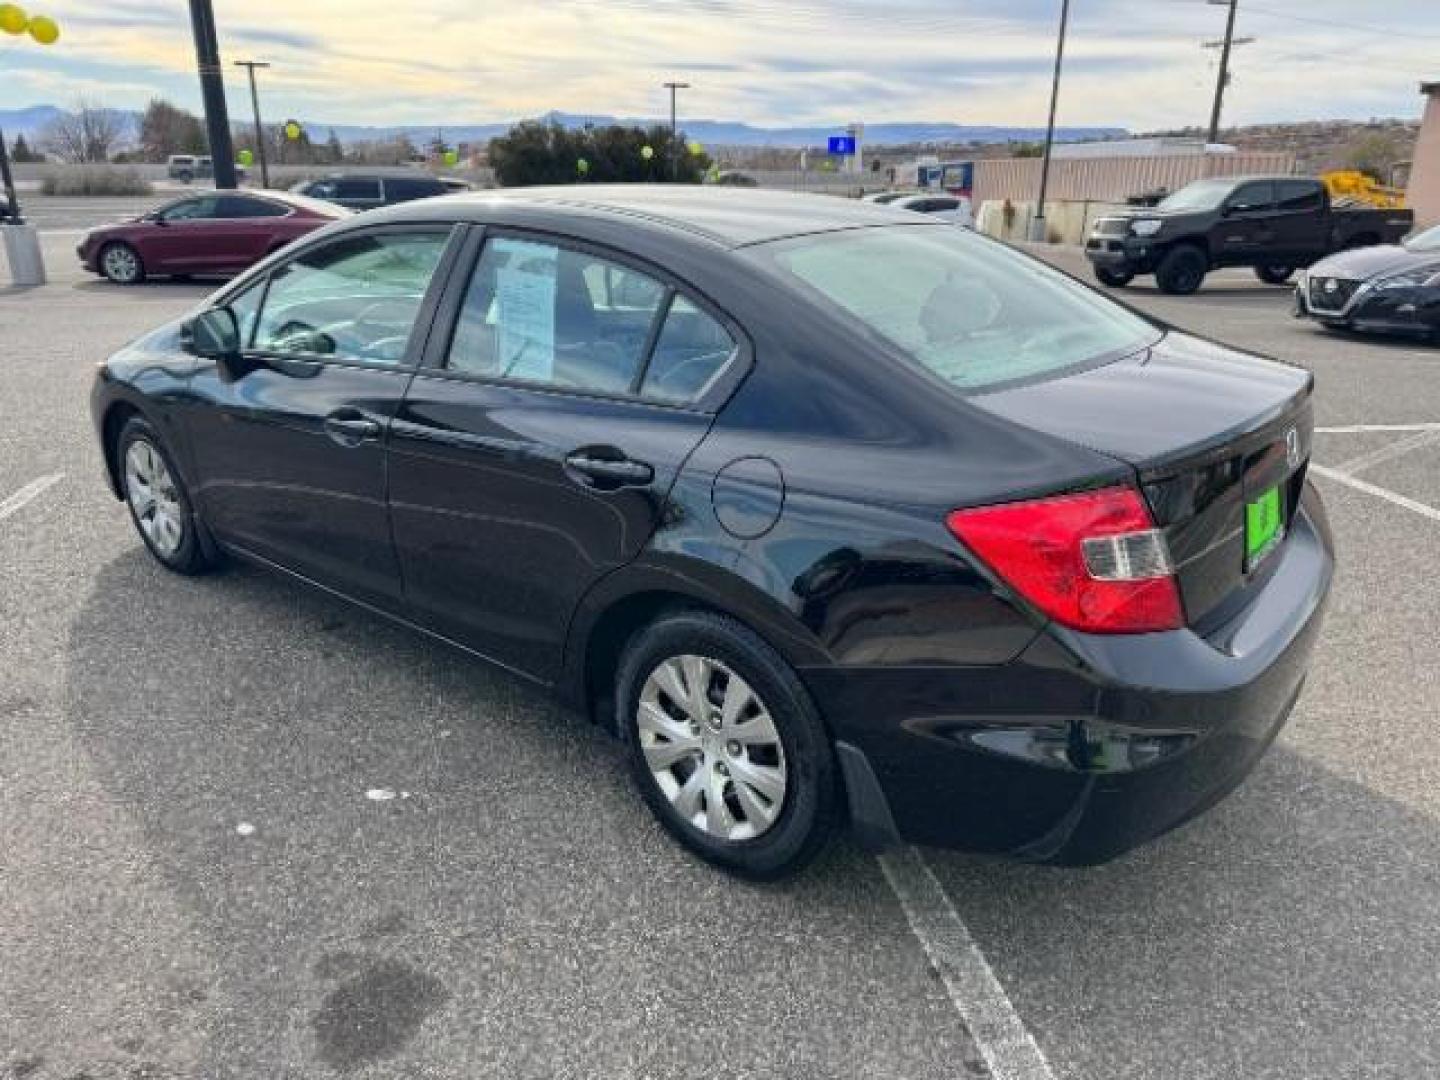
[1424, 191]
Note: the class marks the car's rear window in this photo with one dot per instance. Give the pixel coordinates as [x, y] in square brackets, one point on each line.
[968, 309]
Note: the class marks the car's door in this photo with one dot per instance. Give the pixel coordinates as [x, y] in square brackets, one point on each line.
[251, 227]
[183, 237]
[289, 443]
[1300, 234]
[1247, 224]
[536, 447]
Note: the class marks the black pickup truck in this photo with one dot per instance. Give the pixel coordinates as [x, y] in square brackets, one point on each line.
[1272, 223]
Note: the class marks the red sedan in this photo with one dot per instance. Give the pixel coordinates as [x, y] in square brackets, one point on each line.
[215, 232]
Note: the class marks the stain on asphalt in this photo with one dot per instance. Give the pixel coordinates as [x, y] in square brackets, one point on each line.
[375, 1010]
[395, 922]
[20, 1068]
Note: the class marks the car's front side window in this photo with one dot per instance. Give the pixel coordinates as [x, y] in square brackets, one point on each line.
[192, 209]
[356, 298]
[541, 313]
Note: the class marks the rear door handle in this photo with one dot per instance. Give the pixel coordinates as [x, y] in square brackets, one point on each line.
[610, 472]
[349, 428]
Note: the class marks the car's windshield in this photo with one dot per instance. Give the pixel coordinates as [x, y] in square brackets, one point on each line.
[966, 308]
[1201, 195]
[1428, 240]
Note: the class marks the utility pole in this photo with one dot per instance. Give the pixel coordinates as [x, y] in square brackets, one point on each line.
[212, 90]
[673, 87]
[1037, 225]
[1223, 80]
[250, 66]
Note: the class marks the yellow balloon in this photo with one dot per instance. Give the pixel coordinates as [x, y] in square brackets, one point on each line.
[647, 152]
[13, 19]
[44, 30]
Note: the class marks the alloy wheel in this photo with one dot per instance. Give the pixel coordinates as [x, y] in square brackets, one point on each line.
[121, 264]
[153, 498]
[712, 748]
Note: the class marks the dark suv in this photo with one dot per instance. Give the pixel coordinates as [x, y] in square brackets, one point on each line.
[366, 191]
[1272, 223]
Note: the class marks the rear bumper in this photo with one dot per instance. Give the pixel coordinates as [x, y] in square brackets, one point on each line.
[1085, 746]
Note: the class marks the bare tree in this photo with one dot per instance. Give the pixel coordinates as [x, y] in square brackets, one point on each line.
[86, 134]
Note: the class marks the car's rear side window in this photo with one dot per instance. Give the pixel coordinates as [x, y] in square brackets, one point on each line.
[693, 349]
[542, 313]
[354, 187]
[965, 308]
[1295, 195]
[242, 206]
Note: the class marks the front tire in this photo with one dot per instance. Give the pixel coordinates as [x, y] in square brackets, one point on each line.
[122, 264]
[159, 505]
[1182, 271]
[1275, 275]
[1116, 279]
[726, 746]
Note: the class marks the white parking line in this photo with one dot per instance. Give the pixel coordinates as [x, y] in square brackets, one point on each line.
[1365, 429]
[28, 494]
[1423, 509]
[999, 1033]
[1397, 449]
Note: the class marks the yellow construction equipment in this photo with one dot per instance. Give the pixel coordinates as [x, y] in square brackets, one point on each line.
[1354, 187]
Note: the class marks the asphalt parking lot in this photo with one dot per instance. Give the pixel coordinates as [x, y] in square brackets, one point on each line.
[248, 831]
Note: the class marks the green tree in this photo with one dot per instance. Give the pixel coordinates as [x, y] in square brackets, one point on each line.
[166, 129]
[534, 152]
[22, 154]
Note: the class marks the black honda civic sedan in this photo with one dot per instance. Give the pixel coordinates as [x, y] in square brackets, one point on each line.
[1389, 289]
[831, 512]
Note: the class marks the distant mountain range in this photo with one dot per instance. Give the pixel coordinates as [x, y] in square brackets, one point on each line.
[30, 121]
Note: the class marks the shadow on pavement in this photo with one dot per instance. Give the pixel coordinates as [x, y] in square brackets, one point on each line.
[443, 869]
[1291, 932]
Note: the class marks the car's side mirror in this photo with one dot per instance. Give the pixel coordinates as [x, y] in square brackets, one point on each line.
[215, 335]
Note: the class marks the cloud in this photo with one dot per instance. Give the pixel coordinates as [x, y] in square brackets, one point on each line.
[1134, 63]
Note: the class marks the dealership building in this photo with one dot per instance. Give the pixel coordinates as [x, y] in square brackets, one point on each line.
[1424, 191]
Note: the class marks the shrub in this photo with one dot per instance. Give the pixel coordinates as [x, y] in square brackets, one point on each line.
[94, 180]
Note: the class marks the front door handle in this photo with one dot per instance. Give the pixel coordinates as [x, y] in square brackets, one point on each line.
[609, 472]
[349, 428]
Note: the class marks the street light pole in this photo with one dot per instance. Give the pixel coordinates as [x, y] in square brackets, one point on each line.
[250, 66]
[212, 90]
[1037, 226]
[673, 87]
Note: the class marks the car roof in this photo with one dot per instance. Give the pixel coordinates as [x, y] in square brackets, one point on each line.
[289, 198]
[729, 217]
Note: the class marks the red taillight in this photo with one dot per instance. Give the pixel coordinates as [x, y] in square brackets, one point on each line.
[1094, 561]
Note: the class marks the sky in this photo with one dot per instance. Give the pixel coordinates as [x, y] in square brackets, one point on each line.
[1136, 64]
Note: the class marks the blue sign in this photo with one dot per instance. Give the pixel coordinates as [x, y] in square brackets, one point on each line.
[843, 145]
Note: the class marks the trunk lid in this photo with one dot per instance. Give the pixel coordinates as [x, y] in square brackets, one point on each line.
[1209, 433]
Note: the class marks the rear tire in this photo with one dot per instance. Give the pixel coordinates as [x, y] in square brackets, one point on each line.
[1116, 279]
[159, 505]
[122, 264]
[1275, 275]
[1182, 271]
[710, 711]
